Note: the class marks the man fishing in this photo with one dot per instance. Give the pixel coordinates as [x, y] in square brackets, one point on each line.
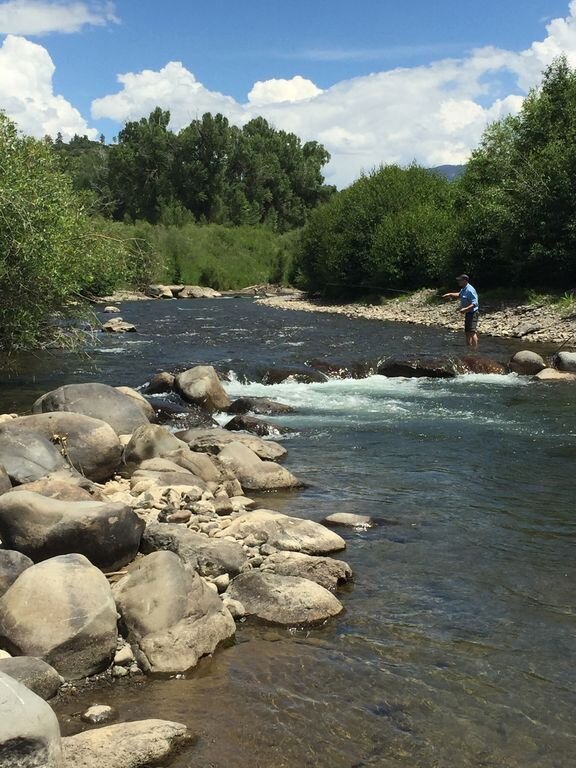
[468, 307]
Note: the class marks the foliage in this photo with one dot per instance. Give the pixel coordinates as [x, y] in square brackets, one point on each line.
[220, 257]
[516, 202]
[50, 251]
[391, 229]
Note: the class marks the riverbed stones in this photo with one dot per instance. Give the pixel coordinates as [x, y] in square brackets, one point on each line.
[61, 611]
[326, 571]
[29, 730]
[242, 423]
[126, 745]
[108, 534]
[201, 386]
[285, 600]
[527, 363]
[255, 474]
[12, 564]
[290, 534]
[566, 361]
[210, 556]
[89, 445]
[214, 440]
[348, 520]
[261, 406]
[140, 401]
[170, 614]
[27, 456]
[35, 674]
[421, 367]
[98, 401]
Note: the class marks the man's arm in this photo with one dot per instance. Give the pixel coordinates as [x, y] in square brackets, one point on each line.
[468, 308]
[450, 295]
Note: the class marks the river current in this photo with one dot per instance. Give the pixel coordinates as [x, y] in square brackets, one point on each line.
[457, 645]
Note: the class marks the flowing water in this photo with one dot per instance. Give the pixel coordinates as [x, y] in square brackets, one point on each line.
[457, 646]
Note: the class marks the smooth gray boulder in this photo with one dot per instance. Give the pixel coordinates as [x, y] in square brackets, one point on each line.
[29, 730]
[96, 400]
[214, 440]
[290, 534]
[28, 456]
[107, 533]
[61, 611]
[139, 400]
[255, 474]
[65, 490]
[527, 363]
[326, 571]
[89, 445]
[286, 600]
[5, 484]
[566, 361]
[209, 556]
[172, 617]
[35, 674]
[12, 564]
[127, 745]
[201, 386]
[150, 441]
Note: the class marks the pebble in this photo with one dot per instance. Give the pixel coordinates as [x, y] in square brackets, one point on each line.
[98, 713]
[119, 671]
[222, 582]
[124, 656]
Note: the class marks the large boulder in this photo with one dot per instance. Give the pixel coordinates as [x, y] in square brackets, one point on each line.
[55, 488]
[89, 445]
[201, 385]
[290, 534]
[61, 611]
[108, 534]
[527, 363]
[255, 474]
[326, 571]
[12, 564]
[421, 367]
[35, 674]
[566, 361]
[261, 406]
[171, 616]
[214, 440]
[29, 730]
[209, 556]
[127, 745]
[286, 600]
[255, 426]
[159, 292]
[96, 400]
[139, 400]
[28, 456]
[150, 441]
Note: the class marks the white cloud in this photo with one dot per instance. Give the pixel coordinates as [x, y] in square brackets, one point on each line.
[27, 95]
[40, 17]
[278, 91]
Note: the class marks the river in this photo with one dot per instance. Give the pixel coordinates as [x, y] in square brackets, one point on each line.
[457, 645]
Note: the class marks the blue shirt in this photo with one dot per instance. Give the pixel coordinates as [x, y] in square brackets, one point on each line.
[469, 296]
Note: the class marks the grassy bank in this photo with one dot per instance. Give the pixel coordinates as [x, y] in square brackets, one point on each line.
[213, 255]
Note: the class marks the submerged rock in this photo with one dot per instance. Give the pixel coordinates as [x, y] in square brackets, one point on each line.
[35, 674]
[551, 374]
[300, 375]
[477, 364]
[261, 406]
[421, 367]
[527, 363]
[348, 520]
[127, 745]
[170, 614]
[29, 730]
[339, 370]
[118, 325]
[326, 571]
[96, 400]
[61, 611]
[286, 600]
[108, 534]
[291, 534]
[201, 385]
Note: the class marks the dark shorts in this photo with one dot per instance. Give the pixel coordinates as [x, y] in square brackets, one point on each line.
[471, 322]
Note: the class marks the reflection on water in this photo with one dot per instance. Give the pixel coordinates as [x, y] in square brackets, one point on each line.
[456, 647]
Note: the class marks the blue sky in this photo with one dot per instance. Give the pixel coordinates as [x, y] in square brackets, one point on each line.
[345, 55]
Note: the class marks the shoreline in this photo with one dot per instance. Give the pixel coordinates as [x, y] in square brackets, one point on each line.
[536, 323]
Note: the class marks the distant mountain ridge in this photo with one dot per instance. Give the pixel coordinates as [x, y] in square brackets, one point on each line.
[450, 172]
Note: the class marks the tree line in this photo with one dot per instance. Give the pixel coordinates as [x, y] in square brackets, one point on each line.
[210, 172]
[509, 219]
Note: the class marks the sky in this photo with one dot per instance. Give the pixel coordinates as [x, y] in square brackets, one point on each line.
[376, 81]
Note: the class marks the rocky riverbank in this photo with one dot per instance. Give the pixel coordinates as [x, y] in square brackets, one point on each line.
[532, 322]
